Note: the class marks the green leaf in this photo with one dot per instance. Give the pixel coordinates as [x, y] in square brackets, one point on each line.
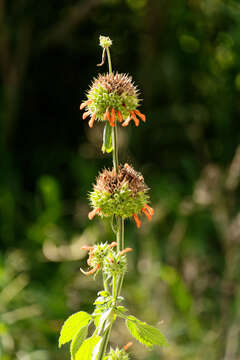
[107, 138]
[86, 349]
[144, 333]
[72, 325]
[78, 340]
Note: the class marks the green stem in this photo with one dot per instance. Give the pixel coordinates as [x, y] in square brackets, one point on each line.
[117, 282]
[105, 283]
[104, 344]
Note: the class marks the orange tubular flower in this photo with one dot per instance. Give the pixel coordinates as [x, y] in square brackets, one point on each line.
[119, 114]
[91, 122]
[113, 117]
[125, 251]
[85, 103]
[86, 114]
[142, 116]
[126, 122]
[148, 211]
[127, 346]
[113, 244]
[90, 272]
[137, 220]
[93, 213]
[133, 117]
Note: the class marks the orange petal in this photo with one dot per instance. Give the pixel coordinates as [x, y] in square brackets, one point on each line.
[91, 271]
[119, 114]
[149, 209]
[86, 247]
[142, 116]
[113, 117]
[149, 216]
[93, 213]
[127, 346]
[91, 121]
[113, 244]
[105, 116]
[90, 257]
[86, 114]
[136, 218]
[135, 119]
[84, 104]
[127, 121]
[125, 251]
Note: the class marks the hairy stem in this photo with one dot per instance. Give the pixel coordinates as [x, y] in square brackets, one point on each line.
[117, 282]
[104, 344]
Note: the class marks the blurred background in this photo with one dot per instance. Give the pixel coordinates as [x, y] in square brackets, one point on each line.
[184, 273]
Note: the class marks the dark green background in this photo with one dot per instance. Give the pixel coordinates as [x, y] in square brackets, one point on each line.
[184, 57]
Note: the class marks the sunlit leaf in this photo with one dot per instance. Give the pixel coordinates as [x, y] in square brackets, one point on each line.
[72, 325]
[86, 350]
[78, 340]
[144, 333]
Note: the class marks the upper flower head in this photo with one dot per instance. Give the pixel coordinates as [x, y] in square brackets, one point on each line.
[124, 194]
[112, 97]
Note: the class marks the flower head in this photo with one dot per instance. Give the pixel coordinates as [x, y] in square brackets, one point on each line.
[119, 354]
[112, 97]
[124, 194]
[97, 255]
[115, 263]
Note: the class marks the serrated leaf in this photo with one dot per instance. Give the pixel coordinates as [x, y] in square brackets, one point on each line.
[72, 326]
[144, 333]
[78, 340]
[107, 138]
[86, 349]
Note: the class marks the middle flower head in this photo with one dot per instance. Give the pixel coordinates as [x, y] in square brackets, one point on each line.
[112, 97]
[123, 194]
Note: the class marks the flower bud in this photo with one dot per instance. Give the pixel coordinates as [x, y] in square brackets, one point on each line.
[105, 41]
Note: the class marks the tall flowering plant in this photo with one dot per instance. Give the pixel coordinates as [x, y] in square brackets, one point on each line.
[119, 193]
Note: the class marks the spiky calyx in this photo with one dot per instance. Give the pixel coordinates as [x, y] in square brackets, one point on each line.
[116, 263]
[117, 354]
[123, 194]
[97, 256]
[112, 97]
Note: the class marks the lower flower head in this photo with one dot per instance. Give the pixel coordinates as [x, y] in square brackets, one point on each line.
[124, 194]
[112, 97]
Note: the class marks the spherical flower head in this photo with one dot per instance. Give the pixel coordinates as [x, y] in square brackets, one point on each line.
[112, 97]
[115, 264]
[97, 255]
[117, 354]
[124, 194]
[105, 41]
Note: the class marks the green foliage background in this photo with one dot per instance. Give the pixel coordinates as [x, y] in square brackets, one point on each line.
[184, 56]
